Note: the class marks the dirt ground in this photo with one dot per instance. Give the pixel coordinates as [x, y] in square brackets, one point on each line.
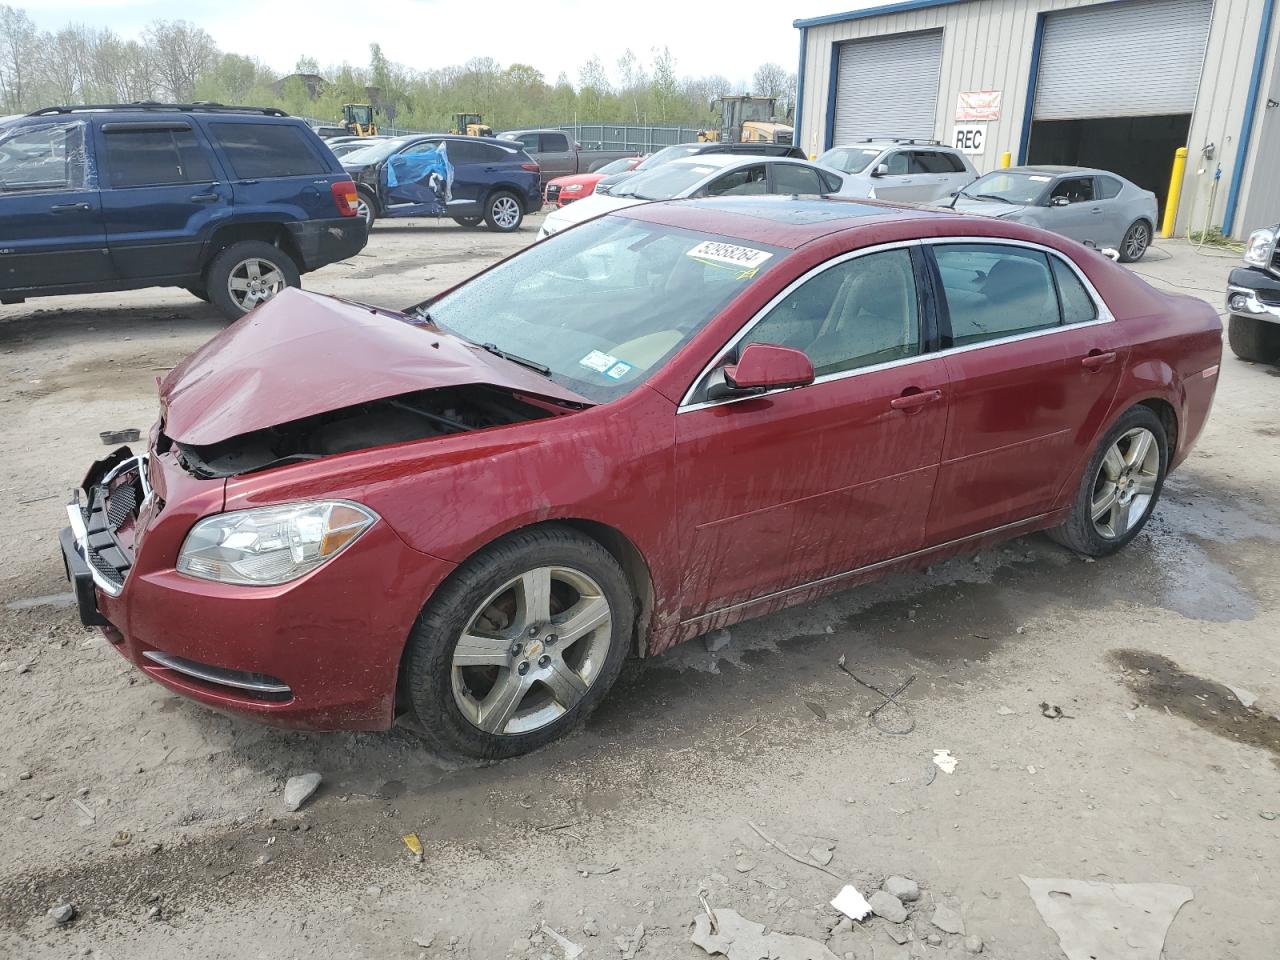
[163, 823]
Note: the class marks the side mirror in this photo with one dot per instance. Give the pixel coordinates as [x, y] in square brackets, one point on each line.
[764, 366]
[1059, 202]
[881, 170]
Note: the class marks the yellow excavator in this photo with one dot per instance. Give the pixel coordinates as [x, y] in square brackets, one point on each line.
[747, 120]
[471, 125]
[358, 120]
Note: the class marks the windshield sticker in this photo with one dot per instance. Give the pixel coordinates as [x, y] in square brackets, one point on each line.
[599, 362]
[1040, 179]
[618, 370]
[745, 259]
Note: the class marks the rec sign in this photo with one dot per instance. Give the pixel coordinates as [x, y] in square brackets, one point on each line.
[970, 138]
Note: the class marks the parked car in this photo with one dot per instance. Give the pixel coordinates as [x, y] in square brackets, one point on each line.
[906, 170]
[558, 155]
[565, 190]
[1092, 206]
[1253, 299]
[341, 146]
[680, 151]
[664, 421]
[492, 181]
[707, 175]
[232, 203]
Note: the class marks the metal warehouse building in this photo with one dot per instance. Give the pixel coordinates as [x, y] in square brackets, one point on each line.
[1117, 84]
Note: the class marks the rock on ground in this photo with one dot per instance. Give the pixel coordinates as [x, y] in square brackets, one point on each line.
[717, 640]
[947, 920]
[904, 888]
[62, 913]
[888, 906]
[299, 790]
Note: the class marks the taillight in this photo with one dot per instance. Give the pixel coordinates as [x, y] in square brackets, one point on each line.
[345, 197]
[531, 167]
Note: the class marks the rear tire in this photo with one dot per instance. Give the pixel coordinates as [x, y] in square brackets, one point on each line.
[200, 293]
[1120, 486]
[367, 207]
[555, 681]
[503, 212]
[469, 222]
[231, 281]
[1136, 242]
[1254, 340]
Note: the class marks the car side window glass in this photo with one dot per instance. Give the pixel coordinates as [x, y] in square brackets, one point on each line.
[831, 182]
[898, 163]
[791, 178]
[1108, 188]
[1075, 190]
[267, 150]
[43, 158]
[1077, 305]
[555, 143]
[855, 314]
[491, 154]
[463, 151]
[995, 291]
[146, 158]
[745, 181]
[426, 146]
[930, 161]
[529, 141]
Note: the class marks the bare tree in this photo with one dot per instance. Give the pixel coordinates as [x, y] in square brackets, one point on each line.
[18, 43]
[770, 80]
[665, 88]
[181, 53]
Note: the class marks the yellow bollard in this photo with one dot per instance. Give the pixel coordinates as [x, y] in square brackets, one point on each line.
[1006, 160]
[1175, 192]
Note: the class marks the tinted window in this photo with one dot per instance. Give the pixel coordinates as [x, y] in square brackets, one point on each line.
[1077, 305]
[44, 157]
[833, 183]
[488, 153]
[141, 158]
[554, 143]
[857, 313]
[994, 291]
[1076, 190]
[1108, 187]
[463, 151]
[424, 146]
[529, 141]
[898, 164]
[935, 161]
[263, 150]
[793, 178]
[743, 182]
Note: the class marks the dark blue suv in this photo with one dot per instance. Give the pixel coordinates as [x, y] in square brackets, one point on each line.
[470, 179]
[231, 203]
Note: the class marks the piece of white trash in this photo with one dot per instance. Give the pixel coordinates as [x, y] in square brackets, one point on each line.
[945, 761]
[1118, 921]
[1246, 697]
[851, 903]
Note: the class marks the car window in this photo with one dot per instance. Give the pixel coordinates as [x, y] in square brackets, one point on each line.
[424, 146]
[792, 178]
[995, 291]
[1108, 187]
[264, 150]
[743, 182]
[1077, 305]
[1075, 189]
[831, 182]
[43, 157]
[849, 159]
[857, 313]
[934, 161]
[154, 157]
[488, 153]
[554, 143]
[529, 141]
[898, 163]
[464, 151]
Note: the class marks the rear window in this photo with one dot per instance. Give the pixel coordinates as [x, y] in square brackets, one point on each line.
[554, 143]
[936, 161]
[1108, 187]
[155, 157]
[264, 150]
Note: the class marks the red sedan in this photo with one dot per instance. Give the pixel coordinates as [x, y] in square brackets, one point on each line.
[564, 190]
[659, 422]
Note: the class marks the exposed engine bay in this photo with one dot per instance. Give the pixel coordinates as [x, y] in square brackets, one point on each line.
[380, 423]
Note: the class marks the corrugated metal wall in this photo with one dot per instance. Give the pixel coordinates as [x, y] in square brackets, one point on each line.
[987, 45]
[1260, 197]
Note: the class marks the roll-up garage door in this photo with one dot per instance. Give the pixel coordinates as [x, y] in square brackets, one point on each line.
[888, 87]
[1137, 59]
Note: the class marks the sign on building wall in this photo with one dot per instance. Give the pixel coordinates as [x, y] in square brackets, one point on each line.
[970, 138]
[978, 105]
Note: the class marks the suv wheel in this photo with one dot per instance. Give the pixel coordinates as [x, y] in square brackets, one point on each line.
[1257, 341]
[503, 212]
[468, 221]
[247, 274]
[365, 208]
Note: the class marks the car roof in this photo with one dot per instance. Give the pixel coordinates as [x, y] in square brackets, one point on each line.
[1057, 170]
[712, 160]
[887, 142]
[776, 220]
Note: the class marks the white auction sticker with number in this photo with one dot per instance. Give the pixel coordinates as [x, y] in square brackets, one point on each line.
[747, 258]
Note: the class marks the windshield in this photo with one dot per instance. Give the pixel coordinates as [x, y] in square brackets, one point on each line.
[374, 152]
[604, 305]
[665, 183]
[621, 165]
[667, 154]
[1019, 188]
[849, 159]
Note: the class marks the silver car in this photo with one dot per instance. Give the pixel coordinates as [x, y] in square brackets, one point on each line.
[911, 171]
[1093, 206]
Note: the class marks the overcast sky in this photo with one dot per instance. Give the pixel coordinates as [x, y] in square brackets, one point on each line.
[730, 38]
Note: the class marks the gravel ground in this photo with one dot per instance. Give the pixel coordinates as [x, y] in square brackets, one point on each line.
[165, 825]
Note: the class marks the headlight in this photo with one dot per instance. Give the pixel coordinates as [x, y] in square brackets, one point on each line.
[1261, 245]
[572, 188]
[272, 545]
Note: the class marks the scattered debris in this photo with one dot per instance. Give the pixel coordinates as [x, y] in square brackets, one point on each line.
[571, 950]
[887, 907]
[25, 666]
[744, 864]
[904, 888]
[947, 920]
[424, 940]
[298, 790]
[851, 903]
[785, 852]
[1004, 711]
[414, 843]
[121, 839]
[711, 914]
[25, 775]
[818, 710]
[1031, 769]
[822, 852]
[112, 437]
[590, 927]
[945, 761]
[596, 869]
[1269, 815]
[742, 939]
[1119, 921]
[898, 934]
[973, 944]
[84, 809]
[630, 945]
[62, 913]
[1053, 712]
[717, 640]
[889, 698]
[1246, 697]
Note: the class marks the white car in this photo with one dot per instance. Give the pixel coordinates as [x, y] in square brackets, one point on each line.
[910, 171]
[705, 175]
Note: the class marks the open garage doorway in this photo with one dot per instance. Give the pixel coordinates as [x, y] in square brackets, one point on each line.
[1138, 148]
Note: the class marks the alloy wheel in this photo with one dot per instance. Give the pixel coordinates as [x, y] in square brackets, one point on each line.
[1126, 483]
[532, 650]
[1136, 243]
[364, 210]
[254, 281]
[506, 212]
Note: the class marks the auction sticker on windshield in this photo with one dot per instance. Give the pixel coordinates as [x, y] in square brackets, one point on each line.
[746, 259]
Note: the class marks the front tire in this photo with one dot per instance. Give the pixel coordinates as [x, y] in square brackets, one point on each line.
[469, 222]
[503, 212]
[247, 274]
[519, 645]
[1254, 340]
[1120, 487]
[1136, 242]
[366, 207]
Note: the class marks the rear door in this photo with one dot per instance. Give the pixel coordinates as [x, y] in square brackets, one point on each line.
[1034, 361]
[161, 196]
[795, 179]
[51, 231]
[274, 165]
[471, 164]
[939, 172]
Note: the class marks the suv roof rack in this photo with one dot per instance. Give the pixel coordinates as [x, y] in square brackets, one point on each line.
[912, 140]
[201, 106]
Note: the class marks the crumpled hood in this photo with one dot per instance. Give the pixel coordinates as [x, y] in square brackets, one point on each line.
[301, 354]
[989, 208]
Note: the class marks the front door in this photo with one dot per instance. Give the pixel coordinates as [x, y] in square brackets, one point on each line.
[1075, 212]
[899, 183]
[786, 488]
[1033, 373]
[51, 231]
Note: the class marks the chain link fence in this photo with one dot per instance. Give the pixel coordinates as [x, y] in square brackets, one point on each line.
[640, 139]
